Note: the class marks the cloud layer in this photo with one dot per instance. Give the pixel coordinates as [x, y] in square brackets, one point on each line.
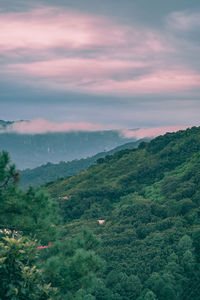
[151, 132]
[72, 51]
[41, 126]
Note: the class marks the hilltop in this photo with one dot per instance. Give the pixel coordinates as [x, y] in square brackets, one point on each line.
[149, 198]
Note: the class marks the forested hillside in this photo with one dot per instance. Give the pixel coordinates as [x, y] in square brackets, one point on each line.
[50, 171]
[150, 200]
[143, 205]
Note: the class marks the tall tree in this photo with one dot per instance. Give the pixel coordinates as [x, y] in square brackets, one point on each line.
[31, 212]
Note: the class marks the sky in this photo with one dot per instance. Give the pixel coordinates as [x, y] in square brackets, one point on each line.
[101, 64]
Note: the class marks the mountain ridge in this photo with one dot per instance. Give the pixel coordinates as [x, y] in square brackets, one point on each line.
[30, 151]
[149, 199]
[50, 171]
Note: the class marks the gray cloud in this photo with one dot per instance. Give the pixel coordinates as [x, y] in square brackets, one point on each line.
[31, 99]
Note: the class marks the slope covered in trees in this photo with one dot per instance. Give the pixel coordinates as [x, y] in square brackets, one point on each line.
[150, 200]
[50, 171]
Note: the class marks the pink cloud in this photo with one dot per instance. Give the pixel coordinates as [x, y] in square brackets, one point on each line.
[108, 76]
[169, 81]
[43, 126]
[123, 60]
[150, 132]
[76, 71]
[51, 27]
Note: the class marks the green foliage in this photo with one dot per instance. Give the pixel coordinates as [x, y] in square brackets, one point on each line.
[150, 296]
[20, 278]
[72, 265]
[65, 269]
[8, 173]
[149, 198]
[31, 212]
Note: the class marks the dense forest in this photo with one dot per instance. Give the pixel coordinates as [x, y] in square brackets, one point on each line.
[150, 200]
[146, 247]
[37, 260]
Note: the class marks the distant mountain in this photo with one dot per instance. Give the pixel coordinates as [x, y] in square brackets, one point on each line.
[33, 150]
[50, 171]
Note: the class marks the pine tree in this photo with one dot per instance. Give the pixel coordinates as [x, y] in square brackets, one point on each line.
[31, 212]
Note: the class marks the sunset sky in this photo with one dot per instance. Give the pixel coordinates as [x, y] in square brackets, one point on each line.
[106, 63]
